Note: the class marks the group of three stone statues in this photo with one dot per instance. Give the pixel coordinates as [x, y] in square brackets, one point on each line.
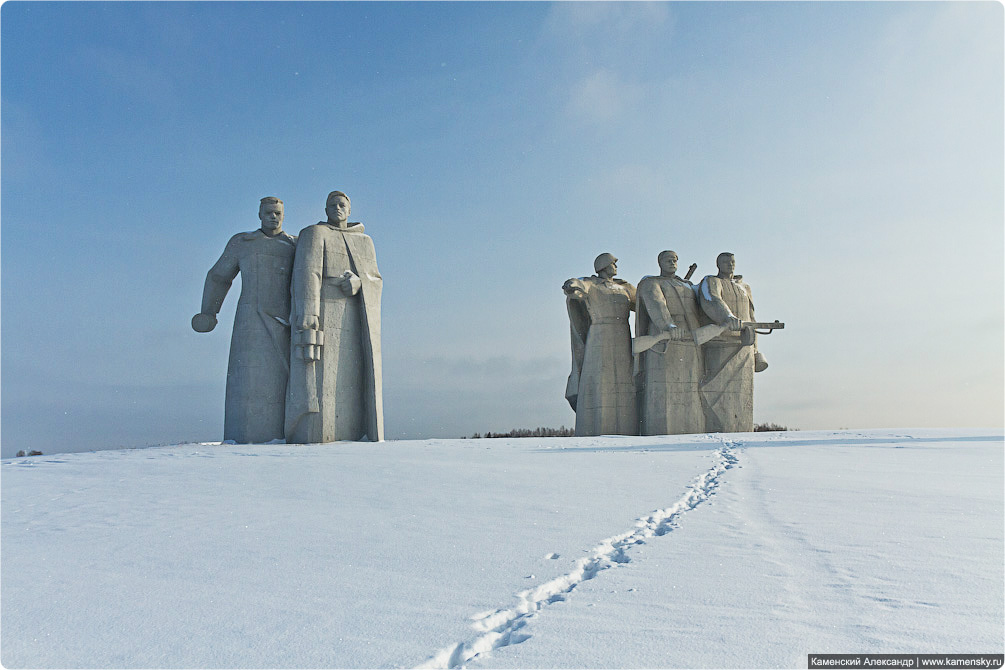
[305, 363]
[690, 367]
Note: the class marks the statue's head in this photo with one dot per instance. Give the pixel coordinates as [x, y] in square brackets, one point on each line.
[337, 208]
[270, 213]
[668, 262]
[726, 263]
[606, 265]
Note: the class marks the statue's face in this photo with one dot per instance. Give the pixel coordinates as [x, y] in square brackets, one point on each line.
[727, 264]
[668, 263]
[609, 271]
[271, 215]
[337, 209]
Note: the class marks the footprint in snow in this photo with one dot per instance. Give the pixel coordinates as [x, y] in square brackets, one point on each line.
[552, 556]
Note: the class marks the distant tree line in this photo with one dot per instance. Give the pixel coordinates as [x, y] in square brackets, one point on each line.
[21, 453]
[527, 432]
[571, 432]
[765, 427]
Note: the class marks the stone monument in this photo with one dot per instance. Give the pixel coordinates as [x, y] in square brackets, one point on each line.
[730, 354]
[335, 390]
[601, 389]
[259, 347]
[670, 366]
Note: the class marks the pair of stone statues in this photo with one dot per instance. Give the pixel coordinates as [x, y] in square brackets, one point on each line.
[690, 367]
[321, 383]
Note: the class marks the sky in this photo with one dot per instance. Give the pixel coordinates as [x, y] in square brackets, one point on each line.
[849, 153]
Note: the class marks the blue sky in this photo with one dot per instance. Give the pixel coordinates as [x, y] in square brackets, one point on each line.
[849, 154]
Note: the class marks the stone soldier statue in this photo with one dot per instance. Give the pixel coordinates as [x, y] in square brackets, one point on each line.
[335, 390]
[601, 389]
[731, 358]
[670, 366]
[259, 347]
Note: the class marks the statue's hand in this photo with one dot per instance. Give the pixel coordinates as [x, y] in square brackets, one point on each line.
[573, 287]
[203, 323]
[309, 338]
[349, 283]
[733, 323]
[677, 335]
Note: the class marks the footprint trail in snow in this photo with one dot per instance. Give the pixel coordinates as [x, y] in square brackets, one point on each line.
[501, 628]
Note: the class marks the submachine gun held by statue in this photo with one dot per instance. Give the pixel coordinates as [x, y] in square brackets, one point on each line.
[704, 334]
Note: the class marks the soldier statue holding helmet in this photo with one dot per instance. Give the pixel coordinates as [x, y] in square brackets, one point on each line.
[601, 388]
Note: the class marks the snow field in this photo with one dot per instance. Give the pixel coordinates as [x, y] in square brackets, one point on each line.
[344, 555]
[815, 543]
[747, 550]
[502, 626]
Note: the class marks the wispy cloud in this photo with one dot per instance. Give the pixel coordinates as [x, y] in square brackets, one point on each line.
[607, 25]
[600, 51]
[602, 97]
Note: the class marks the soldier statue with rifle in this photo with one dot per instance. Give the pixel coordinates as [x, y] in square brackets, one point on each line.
[730, 349]
[668, 357]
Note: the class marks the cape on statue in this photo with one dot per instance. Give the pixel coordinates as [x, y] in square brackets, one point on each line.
[339, 396]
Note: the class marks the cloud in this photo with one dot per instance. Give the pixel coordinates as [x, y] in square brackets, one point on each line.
[606, 22]
[577, 38]
[602, 97]
[608, 51]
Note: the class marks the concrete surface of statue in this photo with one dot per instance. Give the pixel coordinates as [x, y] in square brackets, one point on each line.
[260, 345]
[670, 366]
[728, 386]
[601, 388]
[335, 388]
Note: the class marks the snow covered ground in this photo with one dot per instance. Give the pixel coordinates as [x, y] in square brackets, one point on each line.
[744, 550]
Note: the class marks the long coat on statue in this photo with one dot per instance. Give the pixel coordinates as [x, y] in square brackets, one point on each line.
[727, 391]
[338, 397]
[600, 388]
[260, 344]
[671, 371]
